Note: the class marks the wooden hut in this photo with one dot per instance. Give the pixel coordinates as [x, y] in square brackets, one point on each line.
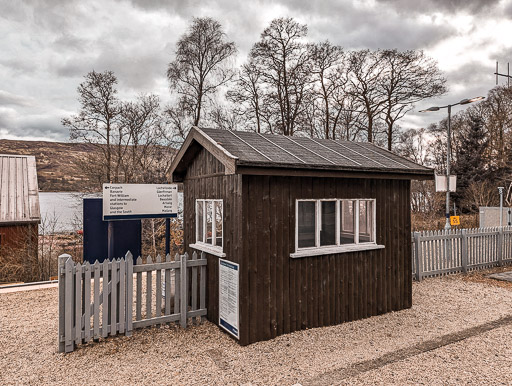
[19, 211]
[318, 230]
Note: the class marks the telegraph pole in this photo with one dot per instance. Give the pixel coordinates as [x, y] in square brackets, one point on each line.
[507, 75]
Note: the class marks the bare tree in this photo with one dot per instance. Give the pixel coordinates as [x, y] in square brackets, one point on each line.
[147, 155]
[247, 95]
[201, 65]
[330, 78]
[408, 77]
[282, 61]
[97, 121]
[366, 73]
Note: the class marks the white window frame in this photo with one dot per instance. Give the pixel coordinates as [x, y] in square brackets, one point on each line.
[203, 245]
[338, 248]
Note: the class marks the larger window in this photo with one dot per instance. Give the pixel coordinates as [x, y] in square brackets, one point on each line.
[334, 225]
[209, 225]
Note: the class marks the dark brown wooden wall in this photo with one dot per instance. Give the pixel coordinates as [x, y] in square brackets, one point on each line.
[280, 294]
[205, 179]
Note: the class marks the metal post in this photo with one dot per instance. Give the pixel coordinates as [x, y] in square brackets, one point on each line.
[167, 236]
[110, 239]
[500, 189]
[500, 247]
[448, 151]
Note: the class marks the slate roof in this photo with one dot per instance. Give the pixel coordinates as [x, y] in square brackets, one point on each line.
[19, 195]
[241, 151]
[267, 150]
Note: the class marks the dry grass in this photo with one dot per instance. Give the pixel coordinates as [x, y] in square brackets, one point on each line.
[481, 277]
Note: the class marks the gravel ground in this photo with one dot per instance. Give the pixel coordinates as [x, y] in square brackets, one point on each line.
[481, 360]
[205, 355]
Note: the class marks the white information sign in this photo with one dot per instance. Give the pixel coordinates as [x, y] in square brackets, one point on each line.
[442, 183]
[228, 296]
[135, 201]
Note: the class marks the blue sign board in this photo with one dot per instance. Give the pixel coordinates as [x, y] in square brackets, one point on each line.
[127, 234]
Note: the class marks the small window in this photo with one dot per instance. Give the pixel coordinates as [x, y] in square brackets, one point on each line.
[366, 221]
[199, 221]
[209, 223]
[218, 223]
[347, 213]
[344, 225]
[306, 224]
[328, 223]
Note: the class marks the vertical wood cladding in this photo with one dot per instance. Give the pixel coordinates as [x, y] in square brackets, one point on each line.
[286, 294]
[205, 180]
[279, 294]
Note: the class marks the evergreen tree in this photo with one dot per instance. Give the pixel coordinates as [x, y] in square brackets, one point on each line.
[471, 165]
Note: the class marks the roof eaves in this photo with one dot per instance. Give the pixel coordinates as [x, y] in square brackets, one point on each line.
[270, 165]
[198, 135]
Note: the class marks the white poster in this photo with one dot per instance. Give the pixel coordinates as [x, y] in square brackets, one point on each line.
[228, 296]
[135, 201]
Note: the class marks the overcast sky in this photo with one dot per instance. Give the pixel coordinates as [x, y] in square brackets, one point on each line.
[46, 47]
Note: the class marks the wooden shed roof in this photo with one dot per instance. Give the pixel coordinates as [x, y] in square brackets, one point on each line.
[19, 195]
[241, 150]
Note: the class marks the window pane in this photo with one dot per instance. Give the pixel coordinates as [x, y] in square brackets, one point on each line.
[199, 220]
[209, 220]
[307, 225]
[218, 223]
[328, 227]
[365, 221]
[347, 214]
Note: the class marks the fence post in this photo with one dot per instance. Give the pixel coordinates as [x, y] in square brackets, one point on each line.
[500, 247]
[417, 246]
[183, 291]
[62, 299]
[69, 301]
[129, 294]
[202, 288]
[464, 254]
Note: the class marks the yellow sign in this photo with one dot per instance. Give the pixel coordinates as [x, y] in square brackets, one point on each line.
[454, 220]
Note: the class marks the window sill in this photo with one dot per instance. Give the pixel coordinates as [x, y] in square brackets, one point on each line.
[208, 249]
[335, 250]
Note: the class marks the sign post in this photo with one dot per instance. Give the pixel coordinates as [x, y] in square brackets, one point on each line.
[138, 201]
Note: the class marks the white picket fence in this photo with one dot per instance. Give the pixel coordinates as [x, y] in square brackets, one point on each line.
[96, 301]
[460, 250]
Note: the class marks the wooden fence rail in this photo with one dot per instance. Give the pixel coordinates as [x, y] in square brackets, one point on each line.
[116, 289]
[460, 250]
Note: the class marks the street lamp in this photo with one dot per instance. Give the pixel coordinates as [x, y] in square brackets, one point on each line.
[448, 150]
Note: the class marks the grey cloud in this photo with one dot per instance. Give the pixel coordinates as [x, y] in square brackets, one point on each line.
[72, 42]
[8, 99]
[58, 41]
[450, 6]
[373, 31]
[18, 66]
[32, 126]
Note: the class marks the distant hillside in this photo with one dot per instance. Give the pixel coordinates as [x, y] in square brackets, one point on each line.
[57, 162]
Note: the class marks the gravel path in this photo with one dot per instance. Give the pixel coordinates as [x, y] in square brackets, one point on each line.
[205, 355]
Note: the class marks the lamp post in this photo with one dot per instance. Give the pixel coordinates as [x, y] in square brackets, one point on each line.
[500, 190]
[448, 148]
